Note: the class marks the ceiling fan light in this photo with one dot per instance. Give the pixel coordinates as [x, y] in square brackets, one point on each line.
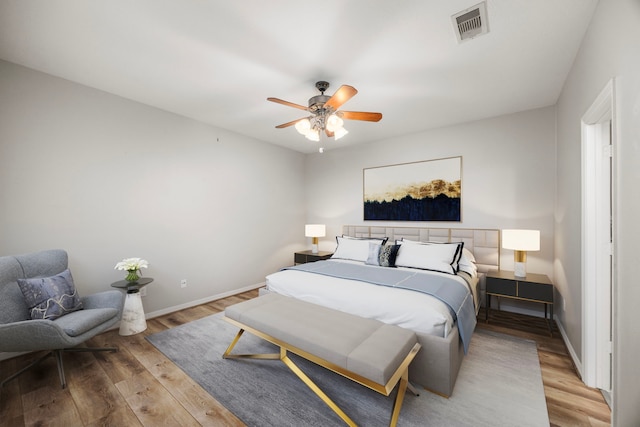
[339, 133]
[334, 123]
[303, 126]
[313, 135]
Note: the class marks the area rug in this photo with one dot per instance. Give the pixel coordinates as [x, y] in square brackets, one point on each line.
[499, 383]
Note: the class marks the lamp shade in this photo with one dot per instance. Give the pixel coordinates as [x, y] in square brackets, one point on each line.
[521, 240]
[303, 126]
[314, 230]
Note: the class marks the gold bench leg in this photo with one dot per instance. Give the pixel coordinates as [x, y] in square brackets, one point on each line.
[227, 354]
[305, 379]
[402, 388]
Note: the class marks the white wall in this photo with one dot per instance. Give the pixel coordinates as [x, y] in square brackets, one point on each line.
[106, 178]
[507, 178]
[611, 48]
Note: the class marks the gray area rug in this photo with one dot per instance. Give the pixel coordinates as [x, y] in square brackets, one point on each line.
[499, 384]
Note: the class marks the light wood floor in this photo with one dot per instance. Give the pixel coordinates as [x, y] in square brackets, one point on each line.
[138, 386]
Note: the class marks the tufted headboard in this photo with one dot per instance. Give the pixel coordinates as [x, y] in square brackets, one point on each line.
[484, 243]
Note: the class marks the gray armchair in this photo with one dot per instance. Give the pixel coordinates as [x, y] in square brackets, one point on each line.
[20, 333]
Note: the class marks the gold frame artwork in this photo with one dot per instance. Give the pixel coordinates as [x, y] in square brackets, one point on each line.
[429, 190]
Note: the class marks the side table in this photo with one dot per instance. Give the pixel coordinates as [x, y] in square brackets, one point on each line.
[533, 287]
[303, 257]
[133, 320]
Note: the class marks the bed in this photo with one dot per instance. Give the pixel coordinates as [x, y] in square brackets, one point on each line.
[406, 295]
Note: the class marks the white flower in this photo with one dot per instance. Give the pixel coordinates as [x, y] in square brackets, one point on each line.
[132, 264]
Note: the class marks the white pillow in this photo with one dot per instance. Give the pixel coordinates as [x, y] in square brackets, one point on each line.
[353, 249]
[440, 257]
[467, 253]
[456, 261]
[381, 240]
[467, 263]
[374, 253]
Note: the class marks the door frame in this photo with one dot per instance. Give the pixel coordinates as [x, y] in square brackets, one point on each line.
[597, 342]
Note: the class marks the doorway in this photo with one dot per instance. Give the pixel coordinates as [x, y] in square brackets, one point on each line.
[598, 245]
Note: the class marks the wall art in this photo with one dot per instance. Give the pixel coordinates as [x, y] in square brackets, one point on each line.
[420, 191]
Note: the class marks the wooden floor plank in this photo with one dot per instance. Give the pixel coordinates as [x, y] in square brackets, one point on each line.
[153, 404]
[44, 374]
[199, 311]
[175, 319]
[93, 391]
[578, 404]
[200, 404]
[50, 406]
[118, 417]
[10, 399]
[119, 365]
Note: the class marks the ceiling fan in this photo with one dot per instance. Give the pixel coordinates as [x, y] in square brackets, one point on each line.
[325, 116]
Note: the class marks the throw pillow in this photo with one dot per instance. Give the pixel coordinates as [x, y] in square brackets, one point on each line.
[387, 255]
[50, 297]
[374, 254]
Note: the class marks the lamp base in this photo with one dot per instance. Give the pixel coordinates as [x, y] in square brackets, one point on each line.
[314, 245]
[520, 269]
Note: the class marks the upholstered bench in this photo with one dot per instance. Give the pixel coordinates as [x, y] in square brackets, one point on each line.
[367, 351]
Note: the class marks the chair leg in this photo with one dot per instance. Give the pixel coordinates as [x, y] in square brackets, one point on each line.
[57, 354]
[21, 371]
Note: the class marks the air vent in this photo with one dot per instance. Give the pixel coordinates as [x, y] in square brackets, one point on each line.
[471, 23]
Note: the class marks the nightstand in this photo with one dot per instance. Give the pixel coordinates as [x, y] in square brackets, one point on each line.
[533, 287]
[307, 256]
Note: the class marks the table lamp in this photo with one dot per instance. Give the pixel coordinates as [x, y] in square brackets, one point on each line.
[314, 231]
[521, 241]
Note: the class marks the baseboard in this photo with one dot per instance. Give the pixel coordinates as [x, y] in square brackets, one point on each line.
[570, 349]
[157, 313]
[205, 300]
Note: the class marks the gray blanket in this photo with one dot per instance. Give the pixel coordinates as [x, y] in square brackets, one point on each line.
[454, 294]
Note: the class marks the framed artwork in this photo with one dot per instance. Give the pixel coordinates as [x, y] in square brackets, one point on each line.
[419, 191]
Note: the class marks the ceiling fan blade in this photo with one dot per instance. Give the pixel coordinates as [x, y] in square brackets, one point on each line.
[291, 123]
[342, 95]
[361, 115]
[287, 103]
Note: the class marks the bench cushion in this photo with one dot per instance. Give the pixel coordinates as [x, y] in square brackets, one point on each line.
[366, 347]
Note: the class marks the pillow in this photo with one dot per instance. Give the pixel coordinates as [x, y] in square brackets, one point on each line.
[374, 252]
[467, 263]
[50, 297]
[388, 254]
[468, 255]
[382, 255]
[456, 261]
[356, 249]
[381, 240]
[353, 249]
[440, 257]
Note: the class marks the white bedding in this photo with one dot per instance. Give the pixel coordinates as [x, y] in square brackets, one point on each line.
[409, 309]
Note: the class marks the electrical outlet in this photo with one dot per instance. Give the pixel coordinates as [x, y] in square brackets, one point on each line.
[143, 292]
[183, 283]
